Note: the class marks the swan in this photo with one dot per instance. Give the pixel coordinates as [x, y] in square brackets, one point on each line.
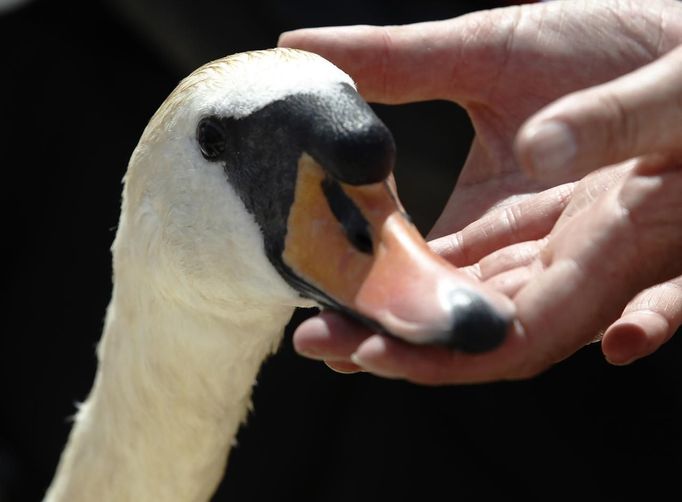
[261, 184]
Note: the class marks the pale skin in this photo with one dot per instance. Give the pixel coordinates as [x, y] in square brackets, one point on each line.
[597, 257]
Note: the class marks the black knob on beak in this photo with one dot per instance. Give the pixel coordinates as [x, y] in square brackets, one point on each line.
[476, 325]
[347, 139]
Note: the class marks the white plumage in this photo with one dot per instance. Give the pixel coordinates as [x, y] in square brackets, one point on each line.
[196, 305]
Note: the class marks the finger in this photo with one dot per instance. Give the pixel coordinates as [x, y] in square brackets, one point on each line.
[528, 220]
[509, 258]
[512, 281]
[392, 358]
[510, 269]
[329, 336]
[347, 348]
[626, 242]
[646, 323]
[416, 62]
[592, 186]
[637, 114]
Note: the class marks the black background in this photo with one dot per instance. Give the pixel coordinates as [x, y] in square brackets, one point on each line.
[77, 86]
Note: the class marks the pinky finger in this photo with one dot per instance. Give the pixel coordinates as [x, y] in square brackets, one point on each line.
[647, 322]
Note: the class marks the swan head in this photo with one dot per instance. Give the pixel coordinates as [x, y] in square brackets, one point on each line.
[265, 179]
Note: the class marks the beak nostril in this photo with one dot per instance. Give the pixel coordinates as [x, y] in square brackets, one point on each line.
[361, 240]
[476, 326]
[355, 226]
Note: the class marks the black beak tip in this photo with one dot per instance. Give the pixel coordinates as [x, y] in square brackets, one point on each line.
[476, 325]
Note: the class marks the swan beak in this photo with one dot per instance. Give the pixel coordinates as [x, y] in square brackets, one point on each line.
[356, 251]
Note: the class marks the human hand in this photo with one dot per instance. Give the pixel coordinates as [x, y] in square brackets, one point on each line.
[561, 302]
[504, 66]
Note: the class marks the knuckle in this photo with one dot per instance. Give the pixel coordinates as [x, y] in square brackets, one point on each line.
[387, 46]
[512, 216]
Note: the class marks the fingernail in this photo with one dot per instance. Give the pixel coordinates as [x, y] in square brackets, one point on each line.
[368, 356]
[552, 146]
[282, 36]
[357, 360]
[624, 343]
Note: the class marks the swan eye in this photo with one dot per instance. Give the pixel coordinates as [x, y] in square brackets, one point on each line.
[211, 137]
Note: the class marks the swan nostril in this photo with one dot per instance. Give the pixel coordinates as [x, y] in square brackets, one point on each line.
[354, 224]
[476, 326]
[361, 240]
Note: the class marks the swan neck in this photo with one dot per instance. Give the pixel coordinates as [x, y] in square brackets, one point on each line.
[172, 387]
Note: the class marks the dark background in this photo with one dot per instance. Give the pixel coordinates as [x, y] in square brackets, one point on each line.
[77, 86]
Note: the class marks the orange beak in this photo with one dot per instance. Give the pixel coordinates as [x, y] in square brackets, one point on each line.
[356, 247]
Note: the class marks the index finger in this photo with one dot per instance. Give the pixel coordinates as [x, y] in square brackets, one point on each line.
[415, 62]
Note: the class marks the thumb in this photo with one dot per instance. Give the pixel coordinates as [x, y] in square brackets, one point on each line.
[637, 114]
